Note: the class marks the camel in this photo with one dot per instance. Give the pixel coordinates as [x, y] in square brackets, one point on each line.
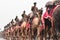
[35, 26]
[23, 26]
[56, 22]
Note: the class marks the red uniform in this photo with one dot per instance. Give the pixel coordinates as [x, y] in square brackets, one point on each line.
[46, 15]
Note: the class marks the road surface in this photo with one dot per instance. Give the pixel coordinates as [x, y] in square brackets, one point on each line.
[2, 39]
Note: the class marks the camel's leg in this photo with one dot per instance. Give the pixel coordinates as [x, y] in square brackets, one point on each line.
[38, 33]
[22, 35]
[35, 33]
[41, 35]
[45, 33]
[25, 34]
[13, 34]
[55, 35]
[29, 34]
[19, 32]
[49, 34]
[32, 32]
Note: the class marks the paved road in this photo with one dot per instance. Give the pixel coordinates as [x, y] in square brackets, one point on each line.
[2, 39]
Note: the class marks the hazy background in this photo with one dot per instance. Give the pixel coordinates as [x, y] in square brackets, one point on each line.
[9, 9]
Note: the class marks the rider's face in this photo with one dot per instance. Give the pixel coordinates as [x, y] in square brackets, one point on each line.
[49, 8]
[34, 4]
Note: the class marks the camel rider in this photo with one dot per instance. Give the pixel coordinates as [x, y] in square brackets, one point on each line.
[46, 18]
[24, 16]
[17, 19]
[23, 13]
[34, 9]
[50, 7]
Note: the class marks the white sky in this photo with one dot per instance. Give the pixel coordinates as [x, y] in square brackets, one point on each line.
[10, 8]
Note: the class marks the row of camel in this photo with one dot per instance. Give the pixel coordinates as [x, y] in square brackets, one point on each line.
[26, 28]
[30, 27]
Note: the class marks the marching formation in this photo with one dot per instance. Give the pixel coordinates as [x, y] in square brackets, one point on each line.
[36, 25]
